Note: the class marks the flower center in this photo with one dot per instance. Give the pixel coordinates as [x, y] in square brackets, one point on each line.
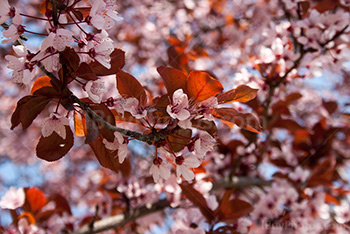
[179, 160]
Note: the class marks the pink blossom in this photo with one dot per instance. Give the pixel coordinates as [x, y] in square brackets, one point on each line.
[206, 107]
[25, 228]
[14, 31]
[345, 2]
[13, 199]
[62, 39]
[23, 70]
[55, 123]
[6, 11]
[132, 105]
[342, 212]
[299, 175]
[96, 90]
[204, 143]
[183, 165]
[118, 144]
[159, 169]
[101, 52]
[178, 109]
[103, 13]
[48, 56]
[243, 225]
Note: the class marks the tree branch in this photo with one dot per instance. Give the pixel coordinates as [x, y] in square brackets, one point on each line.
[240, 182]
[117, 221]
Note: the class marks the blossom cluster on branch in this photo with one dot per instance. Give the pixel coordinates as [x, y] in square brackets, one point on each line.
[223, 96]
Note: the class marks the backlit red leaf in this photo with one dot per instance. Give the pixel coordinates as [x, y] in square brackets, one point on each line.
[242, 93]
[128, 86]
[43, 81]
[242, 120]
[36, 199]
[201, 86]
[173, 79]
[179, 139]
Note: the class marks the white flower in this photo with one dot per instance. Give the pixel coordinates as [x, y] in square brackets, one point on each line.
[5, 11]
[55, 123]
[13, 199]
[132, 105]
[299, 175]
[204, 143]
[62, 39]
[118, 144]
[206, 107]
[243, 225]
[183, 164]
[212, 202]
[15, 30]
[47, 48]
[342, 212]
[23, 70]
[177, 109]
[159, 169]
[96, 90]
[101, 52]
[103, 14]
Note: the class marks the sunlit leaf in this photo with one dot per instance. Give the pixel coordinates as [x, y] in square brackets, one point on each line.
[43, 81]
[242, 93]
[36, 199]
[179, 139]
[201, 86]
[128, 86]
[173, 79]
[242, 120]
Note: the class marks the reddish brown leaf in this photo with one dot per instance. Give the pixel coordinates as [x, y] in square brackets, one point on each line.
[85, 72]
[201, 86]
[288, 124]
[62, 204]
[330, 106]
[326, 5]
[117, 63]
[109, 159]
[53, 147]
[205, 125]
[330, 199]
[198, 200]
[28, 108]
[177, 59]
[92, 130]
[36, 199]
[234, 209]
[128, 86]
[322, 174]
[242, 93]
[179, 139]
[246, 120]
[43, 81]
[173, 79]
